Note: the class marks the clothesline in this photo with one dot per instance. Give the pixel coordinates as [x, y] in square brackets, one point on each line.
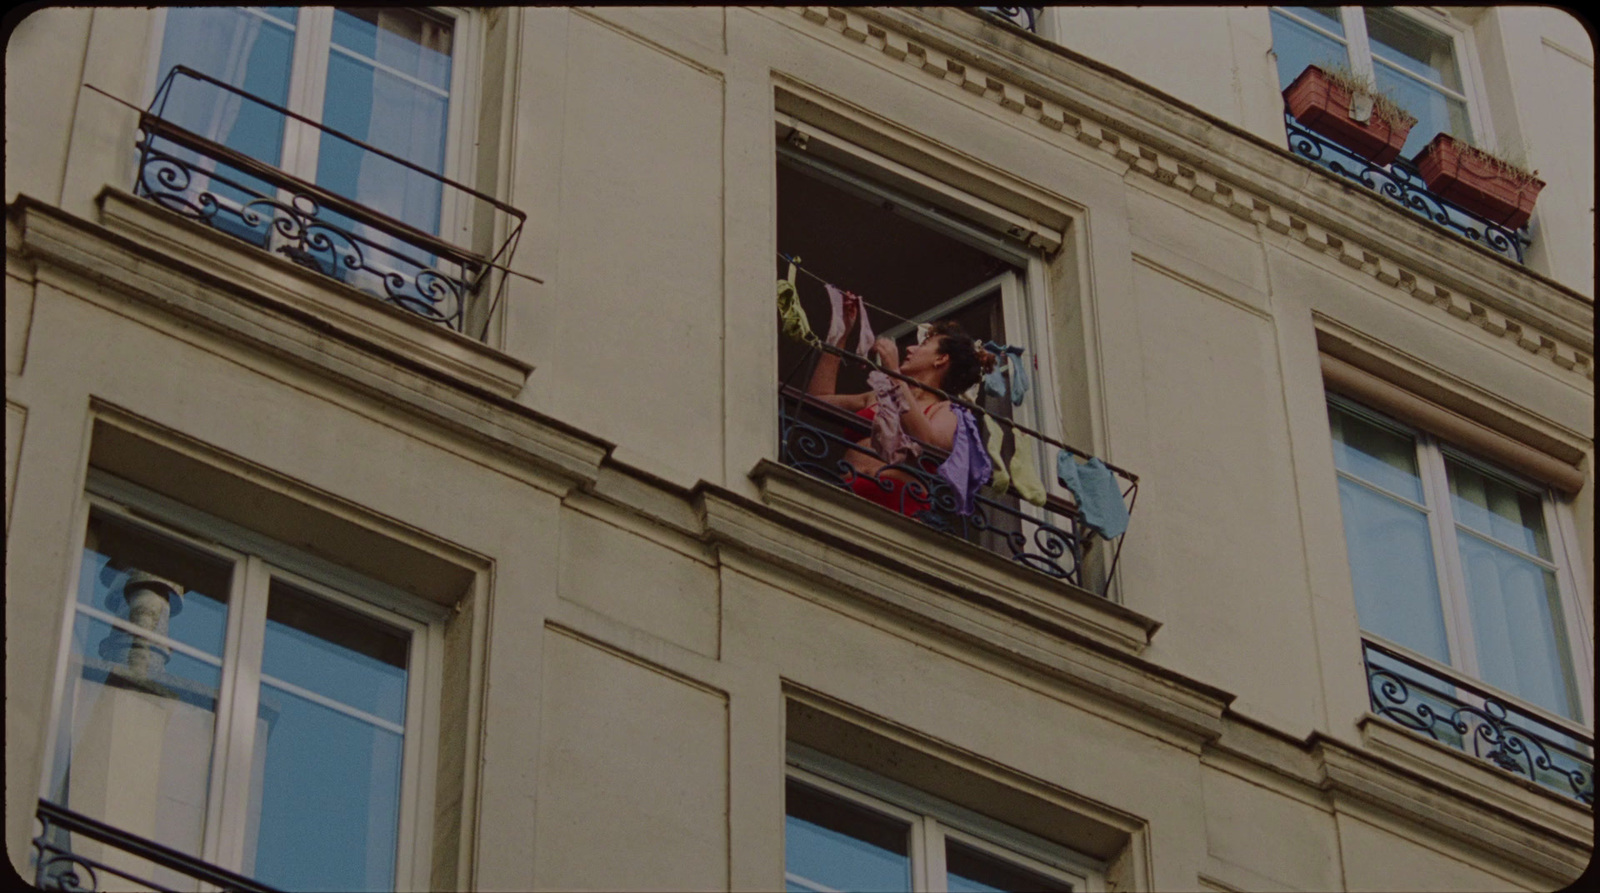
[864, 301]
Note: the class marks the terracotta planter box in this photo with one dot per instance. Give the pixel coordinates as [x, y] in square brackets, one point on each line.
[1323, 106]
[1468, 180]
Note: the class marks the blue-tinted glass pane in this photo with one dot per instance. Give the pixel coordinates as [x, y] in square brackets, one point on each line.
[971, 871]
[1297, 46]
[831, 844]
[1498, 510]
[395, 116]
[1518, 626]
[240, 49]
[116, 550]
[134, 743]
[1407, 44]
[1436, 112]
[1325, 17]
[1392, 572]
[414, 44]
[1376, 455]
[335, 653]
[325, 804]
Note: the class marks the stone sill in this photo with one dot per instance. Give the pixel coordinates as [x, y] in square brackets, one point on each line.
[891, 539]
[279, 282]
[1457, 769]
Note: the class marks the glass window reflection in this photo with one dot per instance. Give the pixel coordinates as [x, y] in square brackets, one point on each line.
[832, 844]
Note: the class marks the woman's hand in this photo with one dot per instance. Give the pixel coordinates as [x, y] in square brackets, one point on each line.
[888, 354]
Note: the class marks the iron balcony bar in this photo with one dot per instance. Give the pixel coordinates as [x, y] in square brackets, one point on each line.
[1474, 720]
[379, 254]
[1401, 183]
[56, 866]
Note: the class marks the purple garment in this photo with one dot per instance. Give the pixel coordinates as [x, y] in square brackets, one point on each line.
[968, 467]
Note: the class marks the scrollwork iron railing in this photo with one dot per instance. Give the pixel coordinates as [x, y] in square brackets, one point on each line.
[316, 227]
[1401, 183]
[1024, 17]
[818, 439]
[58, 868]
[1472, 720]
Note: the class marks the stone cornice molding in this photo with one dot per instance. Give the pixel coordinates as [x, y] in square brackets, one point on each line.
[1214, 164]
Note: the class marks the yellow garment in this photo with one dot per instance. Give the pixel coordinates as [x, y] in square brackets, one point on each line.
[992, 442]
[795, 324]
[1025, 471]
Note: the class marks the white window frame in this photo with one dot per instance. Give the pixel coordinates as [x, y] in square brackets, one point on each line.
[933, 820]
[307, 89]
[1359, 47]
[257, 561]
[1453, 599]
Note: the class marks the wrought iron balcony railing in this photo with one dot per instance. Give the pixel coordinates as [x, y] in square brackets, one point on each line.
[818, 439]
[1465, 716]
[336, 235]
[1401, 183]
[1024, 17]
[116, 859]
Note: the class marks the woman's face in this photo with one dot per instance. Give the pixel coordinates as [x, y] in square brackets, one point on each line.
[920, 357]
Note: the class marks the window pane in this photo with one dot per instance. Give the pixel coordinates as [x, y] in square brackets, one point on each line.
[971, 871]
[387, 86]
[1412, 46]
[1436, 112]
[325, 792]
[138, 716]
[239, 48]
[832, 844]
[1376, 455]
[1297, 46]
[1392, 571]
[1518, 626]
[1498, 510]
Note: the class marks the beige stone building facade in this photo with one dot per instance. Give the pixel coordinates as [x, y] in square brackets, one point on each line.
[410, 485]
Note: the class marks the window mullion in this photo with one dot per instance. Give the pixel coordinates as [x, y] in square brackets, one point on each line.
[1458, 611]
[1569, 583]
[1355, 30]
[935, 877]
[307, 87]
[247, 634]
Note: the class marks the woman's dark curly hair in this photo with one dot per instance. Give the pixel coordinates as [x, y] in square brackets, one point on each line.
[968, 362]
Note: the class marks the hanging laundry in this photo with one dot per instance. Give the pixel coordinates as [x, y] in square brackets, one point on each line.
[968, 467]
[1099, 497]
[995, 439]
[889, 439]
[1019, 379]
[789, 309]
[1025, 470]
[839, 300]
[994, 382]
[1016, 370]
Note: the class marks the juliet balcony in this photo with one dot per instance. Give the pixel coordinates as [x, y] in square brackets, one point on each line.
[1401, 182]
[74, 852]
[358, 214]
[1442, 706]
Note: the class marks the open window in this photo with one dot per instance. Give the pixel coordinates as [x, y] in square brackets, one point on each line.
[917, 253]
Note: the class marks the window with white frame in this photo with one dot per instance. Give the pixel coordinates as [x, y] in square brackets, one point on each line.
[393, 78]
[849, 829]
[1416, 58]
[1459, 561]
[241, 702]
